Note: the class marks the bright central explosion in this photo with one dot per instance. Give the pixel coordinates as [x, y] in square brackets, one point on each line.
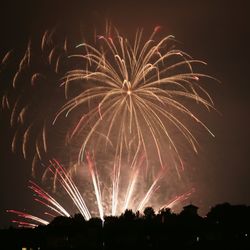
[128, 108]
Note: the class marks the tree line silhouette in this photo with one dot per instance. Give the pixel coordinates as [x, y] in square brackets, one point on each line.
[225, 226]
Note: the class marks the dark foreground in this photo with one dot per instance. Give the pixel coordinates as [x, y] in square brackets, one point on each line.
[224, 227]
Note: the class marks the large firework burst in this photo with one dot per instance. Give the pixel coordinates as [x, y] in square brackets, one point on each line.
[128, 106]
[130, 98]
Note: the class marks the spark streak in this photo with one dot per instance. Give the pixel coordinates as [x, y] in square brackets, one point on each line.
[29, 217]
[70, 187]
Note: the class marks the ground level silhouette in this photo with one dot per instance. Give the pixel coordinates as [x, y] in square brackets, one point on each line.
[225, 226]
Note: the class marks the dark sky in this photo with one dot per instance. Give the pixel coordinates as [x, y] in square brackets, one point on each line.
[217, 32]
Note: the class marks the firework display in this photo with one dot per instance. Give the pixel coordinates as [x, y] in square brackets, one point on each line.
[114, 112]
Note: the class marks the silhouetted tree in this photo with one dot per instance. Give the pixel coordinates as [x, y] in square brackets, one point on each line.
[165, 214]
[225, 227]
[128, 215]
[61, 222]
[149, 213]
[79, 218]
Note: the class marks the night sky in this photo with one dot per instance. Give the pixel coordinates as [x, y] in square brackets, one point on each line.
[216, 32]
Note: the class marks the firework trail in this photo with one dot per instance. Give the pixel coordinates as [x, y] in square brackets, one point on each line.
[59, 175]
[69, 186]
[47, 200]
[53, 208]
[35, 220]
